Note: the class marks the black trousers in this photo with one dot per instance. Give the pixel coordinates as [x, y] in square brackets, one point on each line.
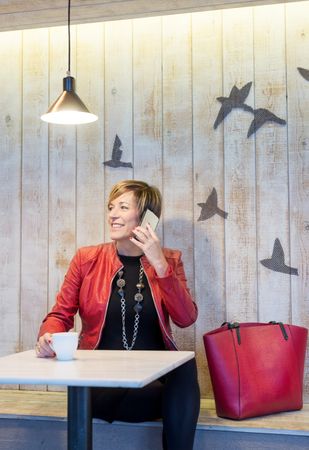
[175, 398]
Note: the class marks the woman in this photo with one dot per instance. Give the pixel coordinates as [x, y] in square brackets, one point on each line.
[125, 292]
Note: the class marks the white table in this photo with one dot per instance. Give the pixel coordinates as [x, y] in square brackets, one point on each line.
[90, 368]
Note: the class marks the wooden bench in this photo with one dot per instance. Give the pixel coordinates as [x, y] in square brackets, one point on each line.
[42, 412]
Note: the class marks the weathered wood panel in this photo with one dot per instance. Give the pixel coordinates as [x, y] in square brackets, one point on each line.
[118, 101]
[208, 160]
[239, 170]
[10, 190]
[177, 147]
[90, 206]
[147, 101]
[297, 39]
[272, 198]
[34, 255]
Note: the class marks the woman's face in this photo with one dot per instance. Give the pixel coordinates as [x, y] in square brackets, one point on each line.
[123, 216]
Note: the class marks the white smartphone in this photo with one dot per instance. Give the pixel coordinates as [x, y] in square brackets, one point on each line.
[151, 218]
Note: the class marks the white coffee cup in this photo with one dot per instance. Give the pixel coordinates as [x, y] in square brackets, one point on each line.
[64, 345]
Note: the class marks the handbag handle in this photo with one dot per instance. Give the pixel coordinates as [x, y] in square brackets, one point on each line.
[285, 335]
[232, 326]
[236, 326]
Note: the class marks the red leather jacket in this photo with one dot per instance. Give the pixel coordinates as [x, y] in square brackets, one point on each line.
[87, 289]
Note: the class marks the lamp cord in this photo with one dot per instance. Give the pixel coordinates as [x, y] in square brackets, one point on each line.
[69, 38]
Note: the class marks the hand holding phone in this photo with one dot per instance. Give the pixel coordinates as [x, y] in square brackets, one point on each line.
[151, 218]
[150, 244]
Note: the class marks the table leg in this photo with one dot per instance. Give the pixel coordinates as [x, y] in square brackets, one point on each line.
[79, 418]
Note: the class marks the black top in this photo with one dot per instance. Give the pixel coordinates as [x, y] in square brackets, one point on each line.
[149, 335]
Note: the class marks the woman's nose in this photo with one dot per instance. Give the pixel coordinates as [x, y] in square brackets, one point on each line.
[113, 213]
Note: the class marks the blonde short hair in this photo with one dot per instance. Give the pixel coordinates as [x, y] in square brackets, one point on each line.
[147, 197]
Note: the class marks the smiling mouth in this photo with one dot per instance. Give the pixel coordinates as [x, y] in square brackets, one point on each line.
[116, 225]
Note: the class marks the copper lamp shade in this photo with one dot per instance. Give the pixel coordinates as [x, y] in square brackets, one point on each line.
[68, 108]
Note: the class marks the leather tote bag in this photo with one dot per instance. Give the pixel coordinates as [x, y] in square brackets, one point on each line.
[256, 368]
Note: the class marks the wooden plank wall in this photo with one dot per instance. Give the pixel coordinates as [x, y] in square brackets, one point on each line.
[154, 82]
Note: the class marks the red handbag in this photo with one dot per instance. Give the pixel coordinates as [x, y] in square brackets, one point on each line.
[256, 368]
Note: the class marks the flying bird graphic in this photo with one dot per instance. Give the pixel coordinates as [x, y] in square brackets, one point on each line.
[235, 100]
[116, 155]
[210, 208]
[276, 262]
[304, 73]
[261, 116]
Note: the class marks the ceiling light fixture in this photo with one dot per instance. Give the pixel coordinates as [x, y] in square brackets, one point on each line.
[69, 109]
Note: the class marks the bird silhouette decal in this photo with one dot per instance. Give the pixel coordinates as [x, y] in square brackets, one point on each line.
[261, 116]
[237, 99]
[210, 208]
[304, 73]
[276, 262]
[116, 155]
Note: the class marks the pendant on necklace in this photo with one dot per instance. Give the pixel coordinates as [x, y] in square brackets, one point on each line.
[137, 308]
[121, 283]
[138, 297]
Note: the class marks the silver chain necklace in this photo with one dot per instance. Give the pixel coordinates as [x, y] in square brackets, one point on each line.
[138, 297]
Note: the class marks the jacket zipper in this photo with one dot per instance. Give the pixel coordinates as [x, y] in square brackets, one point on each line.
[154, 301]
[109, 294]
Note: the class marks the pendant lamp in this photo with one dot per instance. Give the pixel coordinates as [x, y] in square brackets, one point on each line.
[68, 109]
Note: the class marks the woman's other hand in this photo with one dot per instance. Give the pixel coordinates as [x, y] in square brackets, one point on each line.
[42, 347]
[147, 240]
